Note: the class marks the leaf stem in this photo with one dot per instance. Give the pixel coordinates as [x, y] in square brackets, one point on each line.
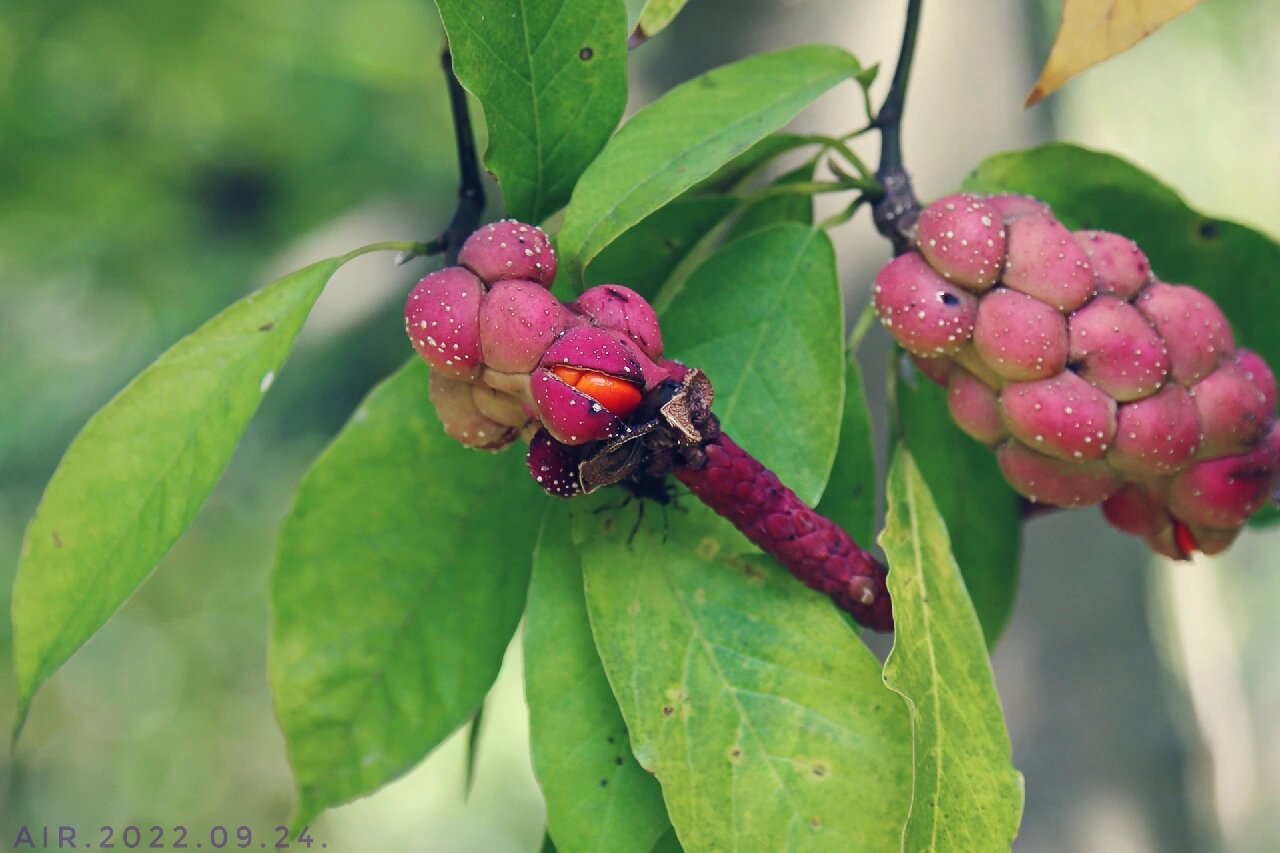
[860, 328]
[809, 188]
[466, 217]
[895, 213]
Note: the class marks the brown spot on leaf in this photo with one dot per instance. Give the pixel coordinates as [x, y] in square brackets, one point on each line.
[266, 327]
[57, 540]
[585, 54]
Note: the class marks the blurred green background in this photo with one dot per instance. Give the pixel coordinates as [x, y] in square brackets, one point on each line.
[159, 159]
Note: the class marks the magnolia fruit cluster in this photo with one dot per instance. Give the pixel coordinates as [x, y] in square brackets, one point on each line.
[1093, 381]
[587, 385]
[509, 359]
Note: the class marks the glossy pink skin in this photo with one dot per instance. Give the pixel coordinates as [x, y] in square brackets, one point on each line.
[442, 320]
[937, 369]
[571, 416]
[1156, 436]
[1120, 268]
[975, 407]
[553, 466]
[815, 550]
[518, 321]
[1195, 332]
[1260, 375]
[1132, 510]
[1013, 206]
[924, 312]
[1046, 262]
[461, 419]
[1053, 481]
[510, 250]
[1020, 338]
[1113, 346]
[1225, 492]
[612, 306]
[1062, 416]
[1234, 411]
[601, 350]
[963, 238]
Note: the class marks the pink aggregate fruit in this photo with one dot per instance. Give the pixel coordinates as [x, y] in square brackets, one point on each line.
[510, 250]
[587, 386]
[1093, 381]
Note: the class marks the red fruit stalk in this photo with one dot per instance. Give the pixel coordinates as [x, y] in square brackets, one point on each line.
[812, 547]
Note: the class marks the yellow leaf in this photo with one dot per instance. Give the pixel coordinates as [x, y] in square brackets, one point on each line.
[1095, 30]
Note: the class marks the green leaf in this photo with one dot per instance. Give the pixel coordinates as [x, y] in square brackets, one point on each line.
[850, 497]
[400, 577]
[1234, 264]
[645, 257]
[776, 209]
[598, 797]
[552, 78]
[687, 134]
[762, 317]
[760, 712]
[668, 843]
[966, 794]
[656, 15]
[134, 477]
[983, 513]
[744, 167]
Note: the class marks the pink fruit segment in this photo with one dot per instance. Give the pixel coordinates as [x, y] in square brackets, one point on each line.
[518, 321]
[1063, 416]
[1260, 375]
[1132, 510]
[553, 466]
[1011, 207]
[569, 415]
[1019, 337]
[927, 314]
[510, 250]
[1156, 436]
[816, 551]
[460, 417]
[612, 306]
[1047, 263]
[1224, 492]
[963, 238]
[937, 370]
[600, 350]
[1114, 347]
[1234, 412]
[1053, 481]
[1194, 330]
[1120, 268]
[975, 407]
[441, 317]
